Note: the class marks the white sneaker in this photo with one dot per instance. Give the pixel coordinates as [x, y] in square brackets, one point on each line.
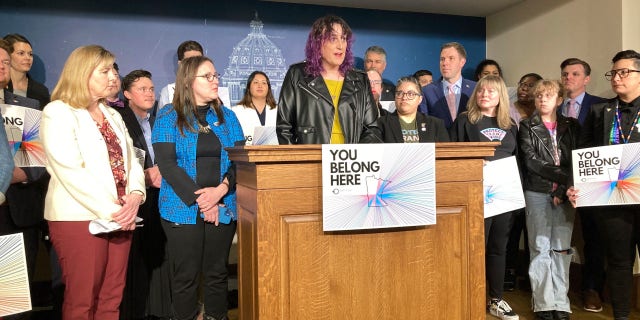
[502, 310]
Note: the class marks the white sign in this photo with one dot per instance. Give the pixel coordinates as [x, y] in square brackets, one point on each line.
[608, 175]
[368, 186]
[502, 187]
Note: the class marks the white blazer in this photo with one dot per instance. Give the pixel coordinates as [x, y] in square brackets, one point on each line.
[248, 118]
[82, 186]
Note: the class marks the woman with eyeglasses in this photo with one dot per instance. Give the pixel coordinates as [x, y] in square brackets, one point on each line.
[406, 124]
[197, 195]
[21, 62]
[323, 99]
[487, 120]
[524, 106]
[257, 107]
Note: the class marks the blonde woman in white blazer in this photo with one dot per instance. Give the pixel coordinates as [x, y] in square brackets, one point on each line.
[257, 107]
[95, 174]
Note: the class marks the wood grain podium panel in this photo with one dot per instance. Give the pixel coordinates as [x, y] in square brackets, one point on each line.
[291, 269]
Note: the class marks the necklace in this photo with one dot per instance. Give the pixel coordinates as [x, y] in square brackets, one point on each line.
[618, 125]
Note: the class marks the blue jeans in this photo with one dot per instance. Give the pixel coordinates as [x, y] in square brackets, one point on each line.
[550, 229]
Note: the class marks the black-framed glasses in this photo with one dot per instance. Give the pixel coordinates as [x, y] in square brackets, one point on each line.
[623, 73]
[409, 95]
[211, 76]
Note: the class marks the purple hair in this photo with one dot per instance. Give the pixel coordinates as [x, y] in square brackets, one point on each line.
[321, 31]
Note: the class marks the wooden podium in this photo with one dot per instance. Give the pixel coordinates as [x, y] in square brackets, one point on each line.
[290, 269]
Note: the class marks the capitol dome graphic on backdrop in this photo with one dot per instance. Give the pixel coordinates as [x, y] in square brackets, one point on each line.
[255, 52]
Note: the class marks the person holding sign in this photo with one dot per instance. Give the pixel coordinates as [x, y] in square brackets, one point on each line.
[257, 107]
[487, 119]
[610, 123]
[406, 124]
[546, 140]
[197, 194]
[323, 99]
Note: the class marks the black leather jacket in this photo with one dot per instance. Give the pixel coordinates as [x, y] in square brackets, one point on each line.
[305, 109]
[536, 153]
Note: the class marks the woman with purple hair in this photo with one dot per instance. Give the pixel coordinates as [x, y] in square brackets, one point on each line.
[323, 99]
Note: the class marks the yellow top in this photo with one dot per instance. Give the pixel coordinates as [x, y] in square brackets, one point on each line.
[335, 87]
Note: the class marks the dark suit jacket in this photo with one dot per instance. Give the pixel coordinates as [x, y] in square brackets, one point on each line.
[388, 92]
[585, 107]
[35, 90]
[430, 129]
[26, 200]
[135, 132]
[435, 104]
[597, 127]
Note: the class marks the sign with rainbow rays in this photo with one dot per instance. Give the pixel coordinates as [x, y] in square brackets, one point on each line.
[23, 132]
[15, 296]
[502, 187]
[373, 186]
[608, 175]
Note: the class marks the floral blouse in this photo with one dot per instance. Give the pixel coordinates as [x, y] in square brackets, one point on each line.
[116, 160]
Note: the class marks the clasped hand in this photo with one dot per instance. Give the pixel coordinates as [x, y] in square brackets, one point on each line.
[126, 216]
[208, 201]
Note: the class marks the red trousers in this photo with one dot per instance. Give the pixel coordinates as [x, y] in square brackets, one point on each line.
[94, 269]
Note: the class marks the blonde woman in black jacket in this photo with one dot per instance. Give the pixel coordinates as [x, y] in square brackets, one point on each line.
[546, 140]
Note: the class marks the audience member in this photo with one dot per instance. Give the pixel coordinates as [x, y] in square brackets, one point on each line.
[113, 98]
[6, 162]
[448, 97]
[23, 210]
[21, 82]
[406, 124]
[198, 200]
[323, 99]
[487, 119]
[94, 175]
[576, 74]
[186, 49]
[257, 107]
[609, 123]
[488, 67]
[546, 140]
[424, 77]
[147, 292]
[524, 105]
[375, 80]
[376, 58]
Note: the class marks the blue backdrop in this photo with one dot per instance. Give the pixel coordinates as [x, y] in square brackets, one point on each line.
[145, 34]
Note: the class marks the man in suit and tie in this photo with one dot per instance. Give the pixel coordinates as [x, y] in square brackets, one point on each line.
[448, 97]
[575, 75]
[23, 210]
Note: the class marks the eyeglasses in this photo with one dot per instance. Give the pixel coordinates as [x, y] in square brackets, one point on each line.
[145, 89]
[6, 62]
[527, 85]
[211, 76]
[410, 95]
[375, 82]
[623, 73]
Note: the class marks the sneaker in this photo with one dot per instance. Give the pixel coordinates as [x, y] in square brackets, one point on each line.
[502, 310]
[591, 301]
